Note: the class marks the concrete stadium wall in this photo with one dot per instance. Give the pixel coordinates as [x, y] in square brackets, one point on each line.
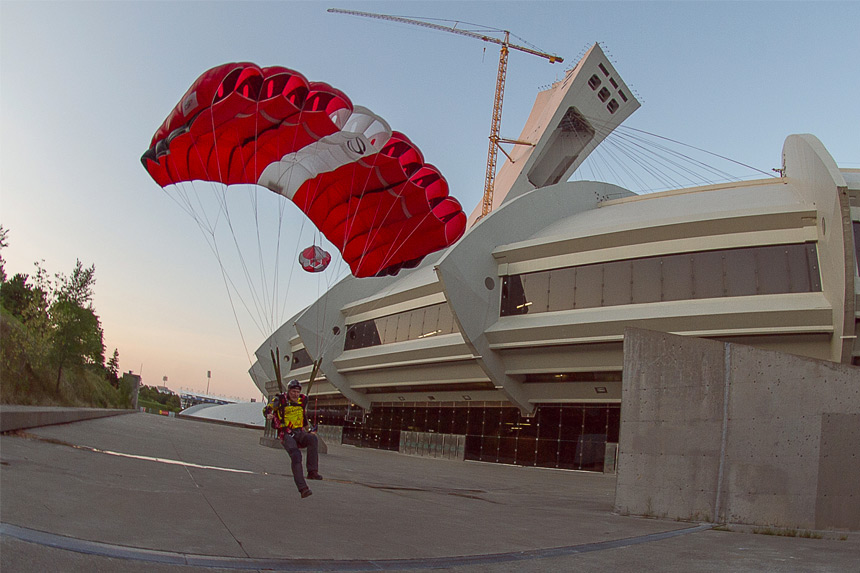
[733, 434]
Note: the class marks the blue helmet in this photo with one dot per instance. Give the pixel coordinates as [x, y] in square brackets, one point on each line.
[294, 384]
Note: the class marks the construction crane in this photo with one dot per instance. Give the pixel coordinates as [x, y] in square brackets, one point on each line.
[495, 126]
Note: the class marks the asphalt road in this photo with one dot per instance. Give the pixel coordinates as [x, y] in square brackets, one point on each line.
[141, 492]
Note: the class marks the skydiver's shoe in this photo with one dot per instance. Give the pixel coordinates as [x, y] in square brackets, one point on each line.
[306, 492]
[314, 475]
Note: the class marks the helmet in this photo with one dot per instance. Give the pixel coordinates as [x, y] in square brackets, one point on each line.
[294, 384]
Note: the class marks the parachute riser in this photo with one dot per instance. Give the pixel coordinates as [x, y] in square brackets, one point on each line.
[276, 363]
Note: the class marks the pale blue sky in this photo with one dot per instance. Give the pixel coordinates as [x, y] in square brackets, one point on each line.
[83, 86]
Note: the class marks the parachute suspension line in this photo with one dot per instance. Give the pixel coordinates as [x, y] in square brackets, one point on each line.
[208, 229]
[260, 258]
[292, 267]
[276, 309]
[390, 252]
[257, 299]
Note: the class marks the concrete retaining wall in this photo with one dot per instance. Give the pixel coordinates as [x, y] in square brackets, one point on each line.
[23, 417]
[733, 434]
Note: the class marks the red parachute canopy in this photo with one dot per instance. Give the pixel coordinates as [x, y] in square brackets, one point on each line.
[367, 188]
[314, 259]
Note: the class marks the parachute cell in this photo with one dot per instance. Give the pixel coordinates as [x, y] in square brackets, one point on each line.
[366, 187]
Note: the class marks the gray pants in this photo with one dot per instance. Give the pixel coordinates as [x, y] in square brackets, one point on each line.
[292, 443]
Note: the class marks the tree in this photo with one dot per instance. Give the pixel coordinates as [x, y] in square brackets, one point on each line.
[16, 295]
[112, 369]
[78, 288]
[77, 337]
[4, 233]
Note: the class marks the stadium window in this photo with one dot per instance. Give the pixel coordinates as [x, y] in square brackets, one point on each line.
[746, 271]
[603, 94]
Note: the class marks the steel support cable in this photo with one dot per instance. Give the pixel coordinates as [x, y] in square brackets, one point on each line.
[647, 163]
[704, 151]
[610, 149]
[674, 153]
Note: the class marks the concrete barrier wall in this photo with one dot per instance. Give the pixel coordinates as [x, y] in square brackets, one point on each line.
[23, 417]
[730, 433]
[433, 445]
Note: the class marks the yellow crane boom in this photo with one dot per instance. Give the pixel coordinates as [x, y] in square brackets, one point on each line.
[495, 126]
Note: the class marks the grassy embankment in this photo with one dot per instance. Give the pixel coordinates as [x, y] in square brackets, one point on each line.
[28, 378]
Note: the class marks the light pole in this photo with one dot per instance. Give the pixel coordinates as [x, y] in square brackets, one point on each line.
[208, 378]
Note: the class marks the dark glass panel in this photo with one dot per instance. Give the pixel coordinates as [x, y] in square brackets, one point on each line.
[646, 280]
[677, 277]
[526, 455]
[387, 328]
[772, 270]
[549, 422]
[475, 421]
[561, 287]
[507, 450]
[473, 447]
[547, 453]
[300, 359]
[461, 421]
[396, 418]
[432, 422]
[708, 274]
[595, 421]
[371, 418]
[536, 288]
[446, 420]
[856, 227]
[446, 320]
[492, 420]
[798, 269]
[420, 422]
[589, 287]
[402, 327]
[740, 272]
[613, 424]
[407, 418]
[416, 323]
[351, 436]
[528, 427]
[571, 422]
[431, 322]
[385, 417]
[508, 421]
[513, 296]
[593, 452]
[616, 283]
[568, 454]
[489, 448]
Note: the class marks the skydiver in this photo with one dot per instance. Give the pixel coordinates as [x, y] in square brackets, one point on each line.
[289, 418]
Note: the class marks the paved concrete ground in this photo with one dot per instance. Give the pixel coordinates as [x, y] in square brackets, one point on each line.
[141, 492]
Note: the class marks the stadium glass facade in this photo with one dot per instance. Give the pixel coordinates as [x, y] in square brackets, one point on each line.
[568, 436]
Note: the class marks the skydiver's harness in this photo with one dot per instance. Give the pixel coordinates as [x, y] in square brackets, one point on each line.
[287, 415]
